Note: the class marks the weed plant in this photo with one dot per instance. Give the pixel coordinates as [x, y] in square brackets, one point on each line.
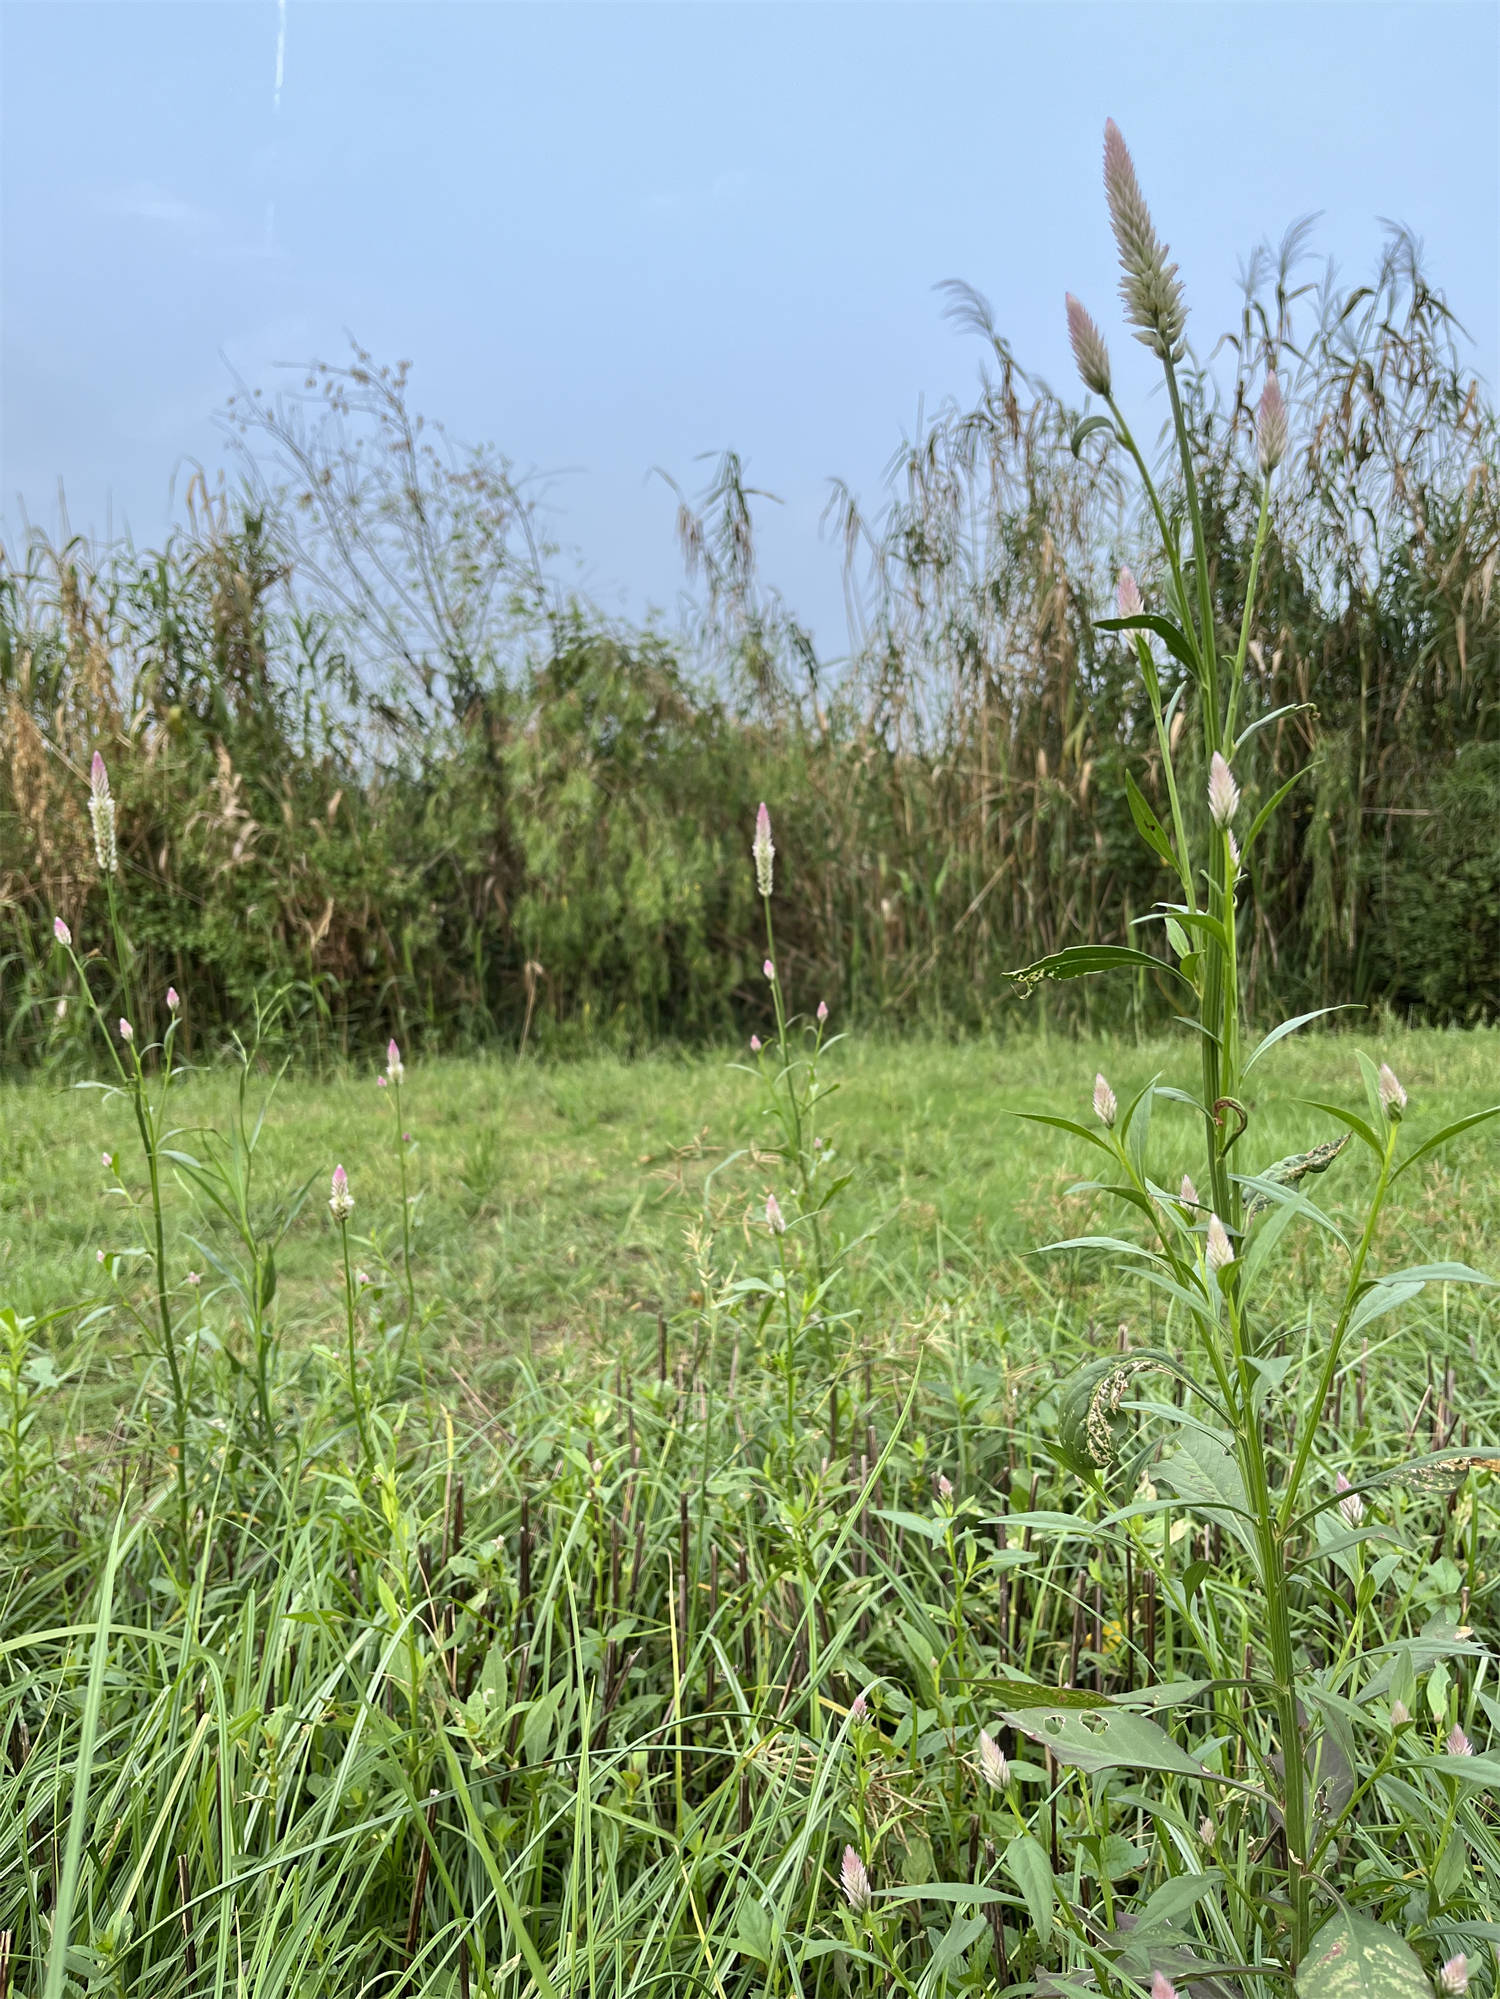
[868, 1619]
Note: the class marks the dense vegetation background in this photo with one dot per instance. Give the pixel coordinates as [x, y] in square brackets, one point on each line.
[364, 745]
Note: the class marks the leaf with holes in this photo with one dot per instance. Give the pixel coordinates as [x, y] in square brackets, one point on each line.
[1114, 1740]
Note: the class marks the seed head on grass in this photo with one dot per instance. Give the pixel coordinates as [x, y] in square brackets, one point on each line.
[340, 1200]
[763, 851]
[1105, 1107]
[854, 1881]
[1148, 286]
[1089, 350]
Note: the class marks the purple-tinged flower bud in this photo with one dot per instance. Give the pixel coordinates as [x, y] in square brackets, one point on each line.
[127, 1032]
[1351, 1506]
[1149, 286]
[61, 931]
[1271, 426]
[106, 1159]
[406, 1138]
[1458, 1743]
[993, 1766]
[1223, 792]
[173, 1002]
[395, 1068]
[774, 1219]
[763, 851]
[1105, 1107]
[1392, 1096]
[1128, 597]
[755, 1044]
[193, 1277]
[1187, 1193]
[98, 1256]
[854, 1881]
[1453, 1978]
[859, 1710]
[944, 1486]
[1162, 1987]
[1219, 1250]
[822, 1012]
[340, 1200]
[770, 970]
[1400, 1714]
[1089, 350]
[382, 1082]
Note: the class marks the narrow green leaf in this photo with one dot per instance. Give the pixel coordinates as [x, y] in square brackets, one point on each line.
[1027, 1865]
[1082, 961]
[1442, 1137]
[1287, 1027]
[1171, 636]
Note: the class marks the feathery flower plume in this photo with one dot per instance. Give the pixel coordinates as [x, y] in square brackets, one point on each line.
[1219, 1251]
[61, 931]
[763, 850]
[1188, 1193]
[1089, 350]
[1223, 792]
[769, 969]
[992, 1762]
[822, 1011]
[774, 1219]
[1270, 426]
[1128, 597]
[127, 1032]
[102, 817]
[1400, 1714]
[1351, 1506]
[1453, 1979]
[1162, 1987]
[1392, 1096]
[854, 1881]
[395, 1068]
[1208, 1832]
[340, 1200]
[1105, 1106]
[755, 1044]
[1458, 1744]
[1149, 287]
[173, 1002]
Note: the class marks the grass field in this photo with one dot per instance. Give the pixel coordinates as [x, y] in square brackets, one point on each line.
[549, 1689]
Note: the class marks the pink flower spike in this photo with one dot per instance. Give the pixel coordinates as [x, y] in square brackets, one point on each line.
[1105, 1107]
[755, 1044]
[173, 1002]
[822, 1011]
[1128, 595]
[763, 851]
[859, 1709]
[61, 931]
[774, 1220]
[945, 1486]
[406, 1138]
[107, 1161]
[1090, 354]
[194, 1277]
[1271, 426]
[1223, 792]
[1458, 1743]
[1162, 1987]
[769, 969]
[1453, 1979]
[1400, 1714]
[855, 1882]
[381, 1082]
[395, 1068]
[127, 1032]
[992, 1762]
[1352, 1507]
[98, 777]
[340, 1200]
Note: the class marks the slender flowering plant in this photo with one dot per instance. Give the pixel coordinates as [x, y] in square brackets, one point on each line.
[392, 1079]
[1215, 1255]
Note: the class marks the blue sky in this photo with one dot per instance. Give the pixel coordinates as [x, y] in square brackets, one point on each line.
[612, 237]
